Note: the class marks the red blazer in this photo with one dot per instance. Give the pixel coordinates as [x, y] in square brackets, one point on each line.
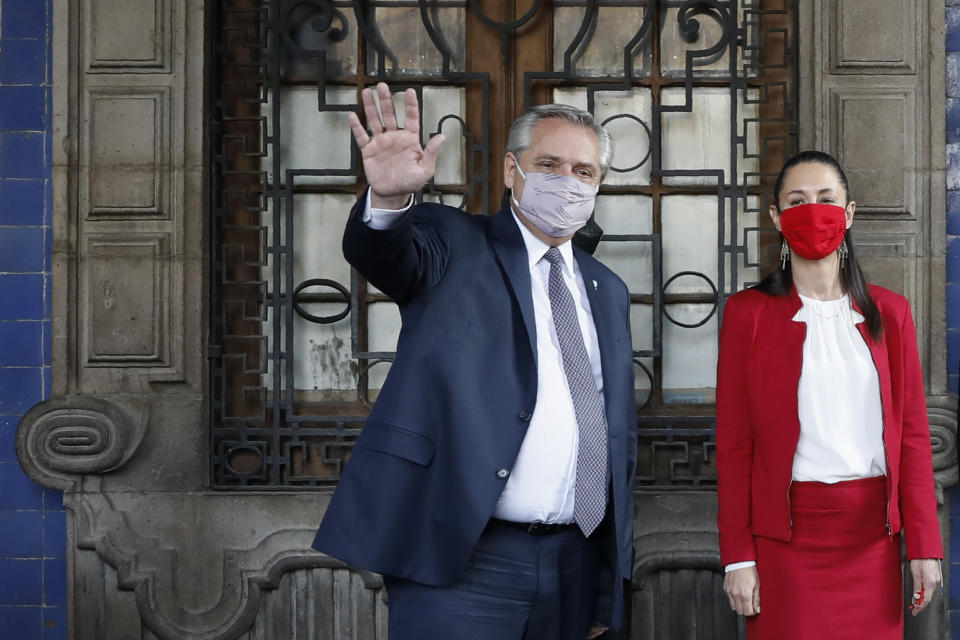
[761, 354]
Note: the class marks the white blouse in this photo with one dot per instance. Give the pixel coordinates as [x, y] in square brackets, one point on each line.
[841, 418]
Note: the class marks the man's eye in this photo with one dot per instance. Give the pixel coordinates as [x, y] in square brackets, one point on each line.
[794, 203]
[827, 200]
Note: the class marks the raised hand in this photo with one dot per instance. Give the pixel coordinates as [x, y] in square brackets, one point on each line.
[393, 160]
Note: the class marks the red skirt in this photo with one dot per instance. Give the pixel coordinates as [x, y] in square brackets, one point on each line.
[839, 576]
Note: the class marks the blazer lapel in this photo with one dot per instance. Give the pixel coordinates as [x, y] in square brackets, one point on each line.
[511, 253]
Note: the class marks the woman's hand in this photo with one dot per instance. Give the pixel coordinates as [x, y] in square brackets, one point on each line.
[743, 589]
[926, 580]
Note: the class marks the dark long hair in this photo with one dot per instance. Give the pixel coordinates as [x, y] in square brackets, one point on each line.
[852, 279]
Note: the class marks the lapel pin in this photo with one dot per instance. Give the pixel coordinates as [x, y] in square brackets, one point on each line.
[595, 287]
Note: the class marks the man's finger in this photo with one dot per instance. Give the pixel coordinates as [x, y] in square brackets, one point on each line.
[370, 110]
[386, 107]
[411, 121]
[432, 150]
[756, 598]
[359, 133]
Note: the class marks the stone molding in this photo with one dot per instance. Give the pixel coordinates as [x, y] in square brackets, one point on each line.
[148, 565]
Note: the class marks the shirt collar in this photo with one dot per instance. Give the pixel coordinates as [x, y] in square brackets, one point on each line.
[537, 248]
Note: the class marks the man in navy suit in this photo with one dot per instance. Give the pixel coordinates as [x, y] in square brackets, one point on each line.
[491, 485]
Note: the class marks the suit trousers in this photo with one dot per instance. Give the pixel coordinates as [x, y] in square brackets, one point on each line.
[516, 586]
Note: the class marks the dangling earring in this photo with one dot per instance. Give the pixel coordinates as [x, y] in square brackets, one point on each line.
[784, 255]
[843, 252]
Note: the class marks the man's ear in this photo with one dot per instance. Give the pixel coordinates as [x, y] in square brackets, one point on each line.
[509, 169]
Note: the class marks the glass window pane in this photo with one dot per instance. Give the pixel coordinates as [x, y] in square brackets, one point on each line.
[410, 48]
[690, 241]
[309, 138]
[689, 355]
[600, 52]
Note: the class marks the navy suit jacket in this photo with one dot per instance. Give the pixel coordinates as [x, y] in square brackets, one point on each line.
[426, 473]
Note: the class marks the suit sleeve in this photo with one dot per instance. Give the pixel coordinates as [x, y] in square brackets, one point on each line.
[734, 438]
[918, 501]
[406, 259]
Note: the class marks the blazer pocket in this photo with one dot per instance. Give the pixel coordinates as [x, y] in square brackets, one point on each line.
[396, 441]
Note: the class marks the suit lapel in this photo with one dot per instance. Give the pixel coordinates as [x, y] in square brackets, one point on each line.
[511, 253]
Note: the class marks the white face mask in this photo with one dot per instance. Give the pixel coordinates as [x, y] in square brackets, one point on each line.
[555, 204]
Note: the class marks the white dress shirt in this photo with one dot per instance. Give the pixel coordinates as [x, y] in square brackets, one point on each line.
[838, 400]
[542, 482]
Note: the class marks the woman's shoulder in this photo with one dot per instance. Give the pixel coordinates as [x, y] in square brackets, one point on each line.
[888, 302]
[748, 299]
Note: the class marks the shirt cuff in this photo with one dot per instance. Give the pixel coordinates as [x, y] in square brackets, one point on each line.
[739, 565]
[380, 219]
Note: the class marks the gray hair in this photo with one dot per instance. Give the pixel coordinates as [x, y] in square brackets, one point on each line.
[521, 131]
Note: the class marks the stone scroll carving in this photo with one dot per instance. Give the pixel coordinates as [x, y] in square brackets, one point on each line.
[942, 413]
[63, 438]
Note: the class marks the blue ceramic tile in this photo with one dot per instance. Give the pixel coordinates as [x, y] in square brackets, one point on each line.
[953, 305]
[24, 19]
[953, 120]
[21, 250]
[953, 358]
[8, 434]
[55, 534]
[47, 248]
[953, 496]
[47, 340]
[45, 390]
[20, 389]
[954, 589]
[47, 282]
[23, 61]
[953, 260]
[48, 195]
[54, 623]
[953, 165]
[22, 202]
[953, 29]
[52, 500]
[22, 108]
[20, 622]
[22, 155]
[21, 296]
[953, 75]
[21, 581]
[21, 534]
[19, 491]
[953, 386]
[55, 582]
[953, 223]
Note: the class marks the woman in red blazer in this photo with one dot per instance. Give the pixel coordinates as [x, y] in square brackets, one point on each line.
[823, 445]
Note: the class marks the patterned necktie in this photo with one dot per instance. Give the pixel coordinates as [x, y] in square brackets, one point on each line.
[590, 501]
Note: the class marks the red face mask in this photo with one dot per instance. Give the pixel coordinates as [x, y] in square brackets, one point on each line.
[813, 230]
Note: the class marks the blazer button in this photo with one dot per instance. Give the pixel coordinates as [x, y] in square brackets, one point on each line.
[503, 472]
[525, 416]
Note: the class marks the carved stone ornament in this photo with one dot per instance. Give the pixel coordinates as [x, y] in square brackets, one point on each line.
[160, 568]
[63, 438]
[942, 413]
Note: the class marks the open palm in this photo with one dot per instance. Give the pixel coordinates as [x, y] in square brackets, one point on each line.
[394, 162]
